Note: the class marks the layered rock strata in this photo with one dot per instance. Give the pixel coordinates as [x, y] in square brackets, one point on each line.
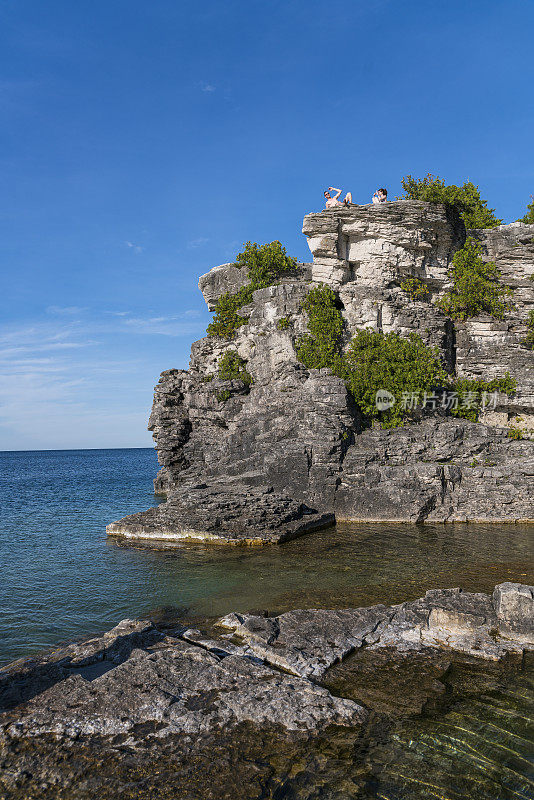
[269, 461]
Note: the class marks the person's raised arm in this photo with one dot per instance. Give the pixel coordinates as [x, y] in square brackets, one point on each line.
[333, 189]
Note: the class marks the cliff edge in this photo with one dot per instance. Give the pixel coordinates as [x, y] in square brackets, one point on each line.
[281, 449]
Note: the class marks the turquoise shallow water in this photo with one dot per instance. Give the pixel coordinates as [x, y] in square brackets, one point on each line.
[61, 578]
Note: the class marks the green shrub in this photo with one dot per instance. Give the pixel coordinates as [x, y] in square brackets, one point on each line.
[475, 212]
[226, 319]
[283, 323]
[265, 264]
[223, 396]
[321, 347]
[414, 288]
[515, 433]
[529, 216]
[528, 341]
[233, 367]
[399, 365]
[476, 289]
[471, 393]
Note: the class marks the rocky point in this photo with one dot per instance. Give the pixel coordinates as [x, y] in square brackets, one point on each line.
[263, 462]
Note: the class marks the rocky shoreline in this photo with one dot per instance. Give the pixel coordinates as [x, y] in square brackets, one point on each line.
[141, 709]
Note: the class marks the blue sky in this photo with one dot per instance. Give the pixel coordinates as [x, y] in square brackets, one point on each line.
[144, 142]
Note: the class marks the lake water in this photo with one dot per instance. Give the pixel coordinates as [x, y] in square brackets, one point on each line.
[62, 578]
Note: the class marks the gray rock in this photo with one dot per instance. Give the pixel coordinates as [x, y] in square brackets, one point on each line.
[309, 642]
[514, 606]
[28, 677]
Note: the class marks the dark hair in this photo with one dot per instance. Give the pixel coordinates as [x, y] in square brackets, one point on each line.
[326, 192]
[384, 191]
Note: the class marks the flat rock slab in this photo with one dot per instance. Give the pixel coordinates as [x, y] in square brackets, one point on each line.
[25, 678]
[309, 642]
[216, 514]
[179, 688]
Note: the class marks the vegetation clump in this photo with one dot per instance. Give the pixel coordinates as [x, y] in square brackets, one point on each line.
[233, 367]
[402, 366]
[321, 347]
[472, 395]
[415, 288]
[432, 189]
[476, 288]
[227, 319]
[528, 341]
[283, 323]
[529, 216]
[265, 264]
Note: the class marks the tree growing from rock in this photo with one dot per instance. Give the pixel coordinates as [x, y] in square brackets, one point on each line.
[432, 189]
[476, 288]
[529, 216]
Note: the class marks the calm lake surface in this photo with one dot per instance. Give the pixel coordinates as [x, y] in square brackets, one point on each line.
[61, 578]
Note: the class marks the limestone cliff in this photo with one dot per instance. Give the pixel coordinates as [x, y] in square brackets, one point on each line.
[272, 460]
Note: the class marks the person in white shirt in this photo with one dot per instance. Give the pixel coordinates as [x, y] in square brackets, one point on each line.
[332, 202]
[380, 196]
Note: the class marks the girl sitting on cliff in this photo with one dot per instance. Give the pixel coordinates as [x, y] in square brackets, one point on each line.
[332, 202]
[380, 196]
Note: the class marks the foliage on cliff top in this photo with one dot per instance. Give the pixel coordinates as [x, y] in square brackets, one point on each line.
[476, 288]
[265, 264]
[233, 367]
[432, 189]
[321, 347]
[529, 216]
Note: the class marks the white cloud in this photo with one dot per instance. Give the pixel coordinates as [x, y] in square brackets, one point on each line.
[207, 87]
[135, 247]
[193, 243]
[163, 326]
[65, 311]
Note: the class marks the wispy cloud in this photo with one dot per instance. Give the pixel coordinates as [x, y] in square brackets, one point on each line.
[164, 326]
[194, 243]
[209, 88]
[65, 311]
[135, 247]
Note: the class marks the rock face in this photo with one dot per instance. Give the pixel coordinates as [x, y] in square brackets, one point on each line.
[270, 461]
[98, 710]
